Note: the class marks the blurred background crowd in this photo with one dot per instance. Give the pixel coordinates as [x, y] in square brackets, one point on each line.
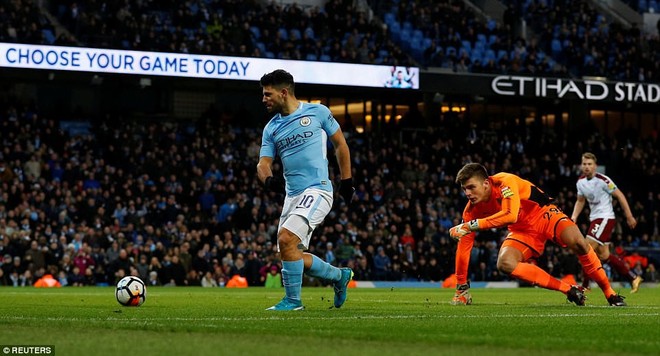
[178, 203]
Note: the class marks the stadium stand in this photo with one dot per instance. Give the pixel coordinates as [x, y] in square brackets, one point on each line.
[94, 205]
[173, 202]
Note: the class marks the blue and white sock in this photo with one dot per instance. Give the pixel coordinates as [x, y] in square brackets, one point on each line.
[292, 273]
[324, 270]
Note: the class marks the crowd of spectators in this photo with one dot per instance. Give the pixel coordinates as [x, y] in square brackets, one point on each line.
[565, 38]
[178, 204]
[337, 32]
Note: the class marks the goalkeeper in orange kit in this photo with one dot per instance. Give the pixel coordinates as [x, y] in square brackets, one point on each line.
[505, 199]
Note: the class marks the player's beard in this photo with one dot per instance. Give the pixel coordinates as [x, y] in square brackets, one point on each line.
[275, 108]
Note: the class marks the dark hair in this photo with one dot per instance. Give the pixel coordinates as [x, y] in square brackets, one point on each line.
[278, 78]
[471, 170]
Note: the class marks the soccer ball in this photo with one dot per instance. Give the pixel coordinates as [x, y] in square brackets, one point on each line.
[131, 291]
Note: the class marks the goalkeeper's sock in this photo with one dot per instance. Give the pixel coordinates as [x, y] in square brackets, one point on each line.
[292, 272]
[324, 270]
[533, 274]
[595, 271]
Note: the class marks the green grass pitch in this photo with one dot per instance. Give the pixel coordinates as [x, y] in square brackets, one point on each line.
[217, 321]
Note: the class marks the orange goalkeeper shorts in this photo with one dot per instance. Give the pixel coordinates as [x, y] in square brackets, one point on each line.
[532, 234]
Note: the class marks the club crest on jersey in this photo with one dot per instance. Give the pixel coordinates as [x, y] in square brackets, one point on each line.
[506, 192]
[305, 121]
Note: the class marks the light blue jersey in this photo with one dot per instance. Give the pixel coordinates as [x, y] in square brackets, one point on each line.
[301, 140]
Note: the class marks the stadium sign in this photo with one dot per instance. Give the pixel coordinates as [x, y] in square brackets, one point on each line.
[581, 89]
[82, 59]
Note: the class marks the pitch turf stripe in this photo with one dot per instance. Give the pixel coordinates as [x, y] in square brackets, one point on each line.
[299, 317]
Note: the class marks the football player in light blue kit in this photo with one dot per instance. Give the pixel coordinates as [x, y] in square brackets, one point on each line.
[298, 134]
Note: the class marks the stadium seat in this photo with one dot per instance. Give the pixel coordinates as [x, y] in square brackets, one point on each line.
[404, 38]
[284, 35]
[295, 32]
[488, 55]
[261, 46]
[311, 57]
[325, 58]
[48, 35]
[194, 8]
[476, 55]
[480, 46]
[426, 42]
[481, 38]
[395, 31]
[256, 32]
[556, 47]
[309, 32]
[389, 18]
[491, 25]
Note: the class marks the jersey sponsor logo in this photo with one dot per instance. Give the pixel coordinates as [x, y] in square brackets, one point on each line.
[506, 192]
[305, 121]
[294, 140]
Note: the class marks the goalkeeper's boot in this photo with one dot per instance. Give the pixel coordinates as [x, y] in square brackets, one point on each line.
[462, 295]
[287, 305]
[341, 286]
[616, 300]
[576, 295]
[635, 284]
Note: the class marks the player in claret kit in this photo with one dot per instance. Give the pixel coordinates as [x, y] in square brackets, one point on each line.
[506, 200]
[597, 189]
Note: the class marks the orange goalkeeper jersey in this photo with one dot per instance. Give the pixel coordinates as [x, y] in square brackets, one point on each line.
[514, 202]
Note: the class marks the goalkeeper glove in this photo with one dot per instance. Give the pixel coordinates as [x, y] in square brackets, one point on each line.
[274, 184]
[461, 230]
[346, 190]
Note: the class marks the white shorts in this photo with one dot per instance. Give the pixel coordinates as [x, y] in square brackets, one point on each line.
[312, 205]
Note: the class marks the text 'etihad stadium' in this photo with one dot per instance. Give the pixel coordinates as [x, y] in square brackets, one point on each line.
[587, 89]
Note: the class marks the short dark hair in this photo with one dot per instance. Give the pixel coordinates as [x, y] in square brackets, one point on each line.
[471, 170]
[278, 78]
